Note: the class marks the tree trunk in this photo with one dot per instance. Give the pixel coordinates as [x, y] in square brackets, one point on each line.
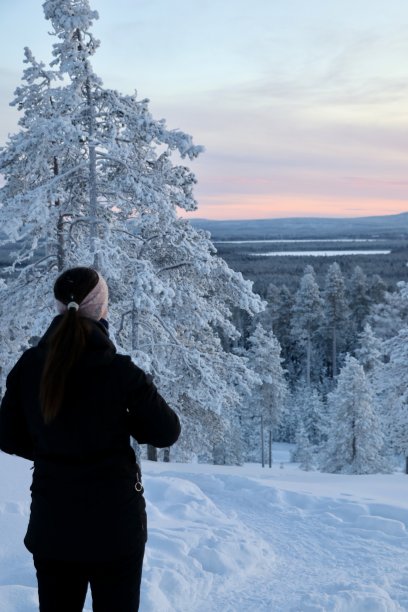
[151, 450]
[354, 443]
[92, 176]
[151, 453]
[60, 228]
[308, 353]
[136, 448]
[334, 353]
[166, 455]
[135, 328]
[60, 244]
[93, 192]
[406, 465]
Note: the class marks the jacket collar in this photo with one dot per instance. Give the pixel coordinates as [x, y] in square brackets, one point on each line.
[99, 349]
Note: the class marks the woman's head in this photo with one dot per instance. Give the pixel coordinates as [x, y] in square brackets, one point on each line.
[85, 288]
[81, 294]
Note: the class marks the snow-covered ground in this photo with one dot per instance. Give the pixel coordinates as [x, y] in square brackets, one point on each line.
[245, 539]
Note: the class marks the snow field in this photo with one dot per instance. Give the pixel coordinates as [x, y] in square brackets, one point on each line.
[245, 539]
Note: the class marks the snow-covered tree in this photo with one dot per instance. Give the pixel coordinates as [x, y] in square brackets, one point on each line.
[392, 384]
[313, 416]
[270, 316]
[280, 304]
[303, 453]
[307, 316]
[391, 315]
[89, 179]
[376, 289]
[304, 410]
[355, 443]
[359, 300]
[336, 311]
[369, 352]
[268, 397]
[289, 420]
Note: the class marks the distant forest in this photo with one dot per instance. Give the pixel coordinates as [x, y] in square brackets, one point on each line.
[385, 233]
[288, 270]
[389, 226]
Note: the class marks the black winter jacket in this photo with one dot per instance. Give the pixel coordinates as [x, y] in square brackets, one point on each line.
[84, 503]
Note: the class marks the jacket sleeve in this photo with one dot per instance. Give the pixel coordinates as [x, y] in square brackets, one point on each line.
[151, 420]
[14, 435]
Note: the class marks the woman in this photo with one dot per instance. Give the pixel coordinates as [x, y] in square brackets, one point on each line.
[71, 405]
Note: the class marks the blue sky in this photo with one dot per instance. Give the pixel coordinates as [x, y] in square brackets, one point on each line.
[302, 105]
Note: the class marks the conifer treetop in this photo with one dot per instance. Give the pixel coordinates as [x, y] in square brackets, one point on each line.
[71, 21]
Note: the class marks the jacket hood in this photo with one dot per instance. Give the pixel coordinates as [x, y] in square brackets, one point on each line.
[99, 349]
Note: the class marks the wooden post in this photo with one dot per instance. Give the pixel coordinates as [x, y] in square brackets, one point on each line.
[262, 442]
[270, 448]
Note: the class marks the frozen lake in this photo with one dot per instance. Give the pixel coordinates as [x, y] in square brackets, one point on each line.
[325, 253]
[291, 241]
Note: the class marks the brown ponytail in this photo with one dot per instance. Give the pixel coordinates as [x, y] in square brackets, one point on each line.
[68, 340]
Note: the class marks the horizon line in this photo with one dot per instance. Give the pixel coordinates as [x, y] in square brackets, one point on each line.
[331, 217]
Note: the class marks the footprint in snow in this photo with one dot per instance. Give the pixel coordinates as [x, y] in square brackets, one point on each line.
[11, 507]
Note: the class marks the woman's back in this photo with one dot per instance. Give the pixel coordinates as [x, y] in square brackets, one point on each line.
[87, 504]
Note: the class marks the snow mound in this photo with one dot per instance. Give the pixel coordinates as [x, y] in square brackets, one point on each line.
[193, 546]
[350, 598]
[384, 525]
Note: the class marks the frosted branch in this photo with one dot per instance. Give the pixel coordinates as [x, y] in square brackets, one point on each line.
[174, 266]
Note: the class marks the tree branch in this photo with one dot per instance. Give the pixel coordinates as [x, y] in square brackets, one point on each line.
[179, 265]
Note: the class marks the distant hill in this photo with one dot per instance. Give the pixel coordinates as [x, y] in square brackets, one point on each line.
[387, 226]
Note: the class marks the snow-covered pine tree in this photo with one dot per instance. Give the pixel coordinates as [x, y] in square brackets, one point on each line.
[336, 311]
[313, 416]
[282, 304]
[355, 441]
[305, 410]
[391, 315]
[289, 419]
[268, 398]
[269, 317]
[369, 352]
[376, 289]
[359, 300]
[307, 316]
[303, 453]
[93, 183]
[392, 384]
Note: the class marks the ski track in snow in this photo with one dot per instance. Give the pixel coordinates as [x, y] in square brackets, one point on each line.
[224, 542]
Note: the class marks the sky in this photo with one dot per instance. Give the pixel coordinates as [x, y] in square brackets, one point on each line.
[302, 105]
